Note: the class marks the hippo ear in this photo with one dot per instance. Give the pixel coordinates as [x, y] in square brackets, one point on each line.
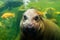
[40, 13]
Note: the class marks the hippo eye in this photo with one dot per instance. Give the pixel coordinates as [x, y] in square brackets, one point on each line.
[25, 17]
[36, 18]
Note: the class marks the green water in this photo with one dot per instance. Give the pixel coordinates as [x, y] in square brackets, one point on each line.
[9, 26]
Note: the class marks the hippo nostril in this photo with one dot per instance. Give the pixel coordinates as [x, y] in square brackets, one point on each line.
[29, 26]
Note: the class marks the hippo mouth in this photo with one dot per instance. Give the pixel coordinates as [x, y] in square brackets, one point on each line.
[30, 32]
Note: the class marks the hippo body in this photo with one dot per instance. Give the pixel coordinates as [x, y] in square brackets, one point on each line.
[38, 28]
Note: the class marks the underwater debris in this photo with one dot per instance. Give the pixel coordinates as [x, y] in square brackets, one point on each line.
[7, 15]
